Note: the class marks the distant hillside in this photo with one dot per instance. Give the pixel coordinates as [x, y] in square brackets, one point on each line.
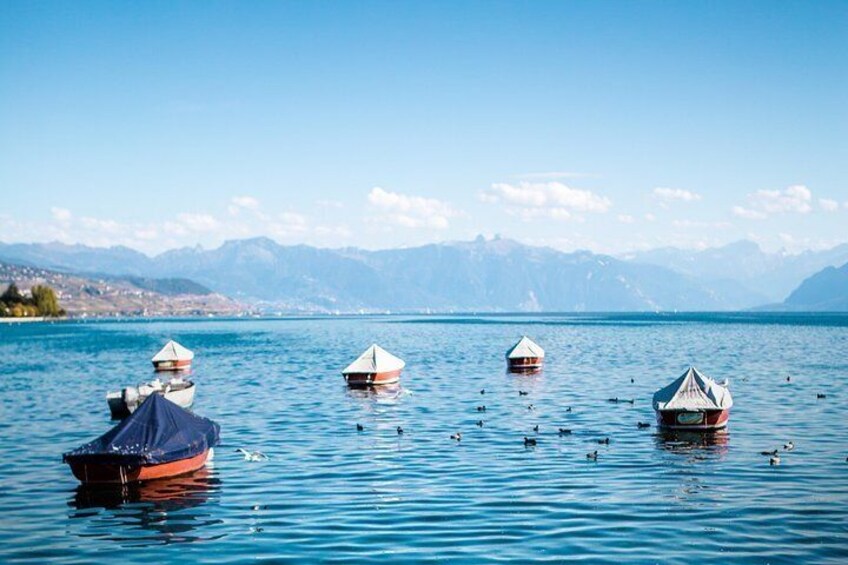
[771, 276]
[826, 291]
[480, 275]
[111, 295]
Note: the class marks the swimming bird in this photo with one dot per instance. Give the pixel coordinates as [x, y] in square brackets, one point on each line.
[523, 393]
[360, 428]
[642, 425]
[820, 395]
[564, 431]
[479, 423]
[771, 453]
[774, 460]
[789, 446]
[530, 406]
[481, 408]
[631, 401]
[536, 428]
[613, 400]
[252, 455]
[631, 380]
[568, 409]
[457, 436]
[593, 456]
[482, 391]
[529, 441]
[399, 430]
[788, 379]
[605, 441]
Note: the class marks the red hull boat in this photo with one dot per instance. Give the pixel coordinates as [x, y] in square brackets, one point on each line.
[374, 367]
[173, 357]
[525, 357]
[106, 473]
[693, 402]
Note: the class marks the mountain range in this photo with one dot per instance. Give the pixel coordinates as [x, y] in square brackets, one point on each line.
[484, 275]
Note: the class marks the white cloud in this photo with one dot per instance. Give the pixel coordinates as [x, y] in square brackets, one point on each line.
[675, 194]
[763, 203]
[650, 217]
[748, 213]
[545, 199]
[247, 202]
[828, 205]
[60, 214]
[625, 218]
[555, 175]
[411, 211]
[198, 222]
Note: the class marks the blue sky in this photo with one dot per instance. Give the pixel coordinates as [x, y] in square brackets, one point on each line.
[604, 125]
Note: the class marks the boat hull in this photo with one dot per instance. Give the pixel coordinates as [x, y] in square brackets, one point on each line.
[182, 365]
[372, 379]
[525, 364]
[121, 408]
[693, 420]
[106, 473]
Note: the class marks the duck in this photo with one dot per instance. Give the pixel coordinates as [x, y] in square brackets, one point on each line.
[457, 436]
[481, 408]
[605, 441]
[593, 455]
[568, 409]
[536, 428]
[523, 393]
[642, 425]
[529, 441]
[613, 400]
[820, 395]
[770, 453]
[789, 446]
[788, 379]
[631, 401]
[774, 460]
[360, 428]
[479, 423]
[632, 380]
[530, 407]
[252, 455]
[482, 391]
[564, 431]
[399, 430]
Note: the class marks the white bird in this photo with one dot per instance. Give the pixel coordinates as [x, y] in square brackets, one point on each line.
[252, 455]
[775, 460]
[789, 446]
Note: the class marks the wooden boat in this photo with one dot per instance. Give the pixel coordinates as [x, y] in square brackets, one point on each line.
[172, 357]
[525, 356]
[158, 440]
[374, 367]
[124, 402]
[693, 402]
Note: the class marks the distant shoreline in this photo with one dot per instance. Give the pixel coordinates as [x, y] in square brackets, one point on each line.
[11, 320]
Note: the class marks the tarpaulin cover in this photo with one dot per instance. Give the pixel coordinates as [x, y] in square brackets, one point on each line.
[525, 348]
[693, 391]
[375, 359]
[158, 432]
[173, 351]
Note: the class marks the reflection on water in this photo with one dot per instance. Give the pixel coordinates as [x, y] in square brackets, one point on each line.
[384, 394]
[163, 511]
[695, 445]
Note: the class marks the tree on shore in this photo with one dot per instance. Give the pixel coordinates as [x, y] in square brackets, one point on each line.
[43, 302]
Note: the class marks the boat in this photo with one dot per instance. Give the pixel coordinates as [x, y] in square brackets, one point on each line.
[693, 402]
[525, 356]
[157, 441]
[173, 357]
[124, 402]
[375, 366]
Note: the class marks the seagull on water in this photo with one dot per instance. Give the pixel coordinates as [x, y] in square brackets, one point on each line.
[252, 455]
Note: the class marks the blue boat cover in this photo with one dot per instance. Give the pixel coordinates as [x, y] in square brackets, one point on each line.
[159, 431]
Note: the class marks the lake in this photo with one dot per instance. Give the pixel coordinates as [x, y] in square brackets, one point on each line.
[332, 494]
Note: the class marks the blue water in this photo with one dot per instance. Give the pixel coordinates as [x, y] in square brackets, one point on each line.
[329, 493]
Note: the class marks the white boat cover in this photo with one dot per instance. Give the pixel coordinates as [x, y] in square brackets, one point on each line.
[375, 360]
[173, 351]
[693, 391]
[525, 347]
